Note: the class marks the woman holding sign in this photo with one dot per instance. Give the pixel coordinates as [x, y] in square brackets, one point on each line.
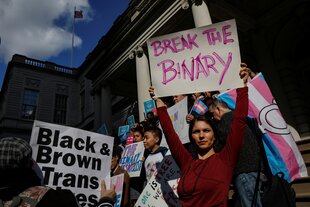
[205, 181]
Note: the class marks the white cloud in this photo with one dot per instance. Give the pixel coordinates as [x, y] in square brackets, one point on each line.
[29, 27]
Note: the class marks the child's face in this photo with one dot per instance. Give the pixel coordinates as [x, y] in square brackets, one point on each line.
[137, 136]
[149, 140]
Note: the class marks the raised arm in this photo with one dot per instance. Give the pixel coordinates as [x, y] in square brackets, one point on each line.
[235, 137]
[178, 151]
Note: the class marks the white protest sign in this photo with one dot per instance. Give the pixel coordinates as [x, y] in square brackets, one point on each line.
[118, 181]
[177, 114]
[72, 159]
[163, 142]
[196, 60]
[132, 159]
[161, 190]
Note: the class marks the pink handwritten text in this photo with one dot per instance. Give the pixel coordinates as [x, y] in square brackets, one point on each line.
[202, 64]
[222, 36]
[175, 44]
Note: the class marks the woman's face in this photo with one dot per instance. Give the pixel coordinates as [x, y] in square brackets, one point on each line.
[203, 135]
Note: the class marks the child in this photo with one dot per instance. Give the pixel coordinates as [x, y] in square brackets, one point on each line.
[154, 152]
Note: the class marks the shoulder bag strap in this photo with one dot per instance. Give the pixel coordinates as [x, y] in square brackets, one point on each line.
[254, 123]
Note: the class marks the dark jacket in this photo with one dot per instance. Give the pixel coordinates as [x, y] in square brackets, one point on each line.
[162, 150]
[15, 181]
[249, 155]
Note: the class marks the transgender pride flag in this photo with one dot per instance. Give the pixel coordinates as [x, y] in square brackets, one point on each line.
[199, 107]
[280, 147]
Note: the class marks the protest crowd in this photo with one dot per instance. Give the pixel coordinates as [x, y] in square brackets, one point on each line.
[224, 152]
[208, 134]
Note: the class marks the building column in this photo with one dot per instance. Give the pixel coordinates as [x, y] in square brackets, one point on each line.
[201, 14]
[143, 80]
[106, 107]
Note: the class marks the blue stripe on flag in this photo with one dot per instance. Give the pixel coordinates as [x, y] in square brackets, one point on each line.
[275, 161]
[260, 75]
[227, 99]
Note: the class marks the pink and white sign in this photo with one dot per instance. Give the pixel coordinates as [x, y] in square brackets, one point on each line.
[196, 60]
[118, 182]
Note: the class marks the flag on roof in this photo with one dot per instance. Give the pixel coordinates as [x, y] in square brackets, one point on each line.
[78, 14]
[199, 107]
[280, 147]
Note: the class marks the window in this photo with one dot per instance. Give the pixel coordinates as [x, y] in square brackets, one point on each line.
[29, 106]
[60, 112]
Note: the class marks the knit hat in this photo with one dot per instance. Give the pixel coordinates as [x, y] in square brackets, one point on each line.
[14, 152]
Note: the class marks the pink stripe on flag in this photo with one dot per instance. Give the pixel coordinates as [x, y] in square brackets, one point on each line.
[261, 85]
[282, 146]
[285, 145]
[287, 153]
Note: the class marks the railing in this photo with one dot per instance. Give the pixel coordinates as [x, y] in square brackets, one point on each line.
[44, 65]
[35, 63]
[63, 69]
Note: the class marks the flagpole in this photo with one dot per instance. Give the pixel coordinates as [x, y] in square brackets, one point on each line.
[72, 43]
[192, 107]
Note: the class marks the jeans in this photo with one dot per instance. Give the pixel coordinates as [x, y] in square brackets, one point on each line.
[245, 185]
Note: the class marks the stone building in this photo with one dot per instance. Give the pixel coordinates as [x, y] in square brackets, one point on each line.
[105, 88]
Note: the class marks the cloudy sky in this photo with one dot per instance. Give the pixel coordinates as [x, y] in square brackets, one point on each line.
[42, 29]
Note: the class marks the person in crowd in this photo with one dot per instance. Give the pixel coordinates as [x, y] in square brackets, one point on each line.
[202, 96]
[137, 183]
[191, 114]
[198, 95]
[205, 97]
[116, 170]
[138, 134]
[108, 197]
[152, 119]
[245, 173]
[209, 96]
[154, 152]
[19, 183]
[178, 98]
[205, 180]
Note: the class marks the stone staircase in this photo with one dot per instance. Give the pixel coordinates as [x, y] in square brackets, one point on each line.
[302, 185]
